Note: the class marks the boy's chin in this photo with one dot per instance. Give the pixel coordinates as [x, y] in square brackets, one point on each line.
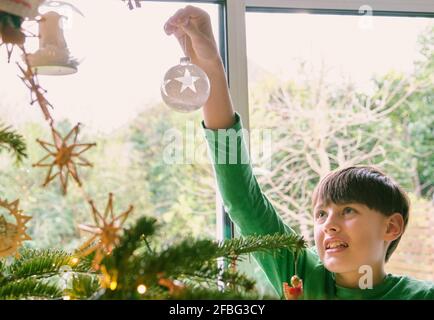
[335, 266]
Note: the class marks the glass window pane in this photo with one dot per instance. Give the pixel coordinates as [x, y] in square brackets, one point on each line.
[116, 97]
[337, 91]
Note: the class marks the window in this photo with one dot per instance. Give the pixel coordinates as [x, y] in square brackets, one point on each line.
[116, 97]
[340, 90]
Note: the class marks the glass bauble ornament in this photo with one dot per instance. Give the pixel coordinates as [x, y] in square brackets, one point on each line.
[185, 87]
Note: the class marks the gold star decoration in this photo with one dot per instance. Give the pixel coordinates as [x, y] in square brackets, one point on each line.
[12, 234]
[64, 151]
[106, 232]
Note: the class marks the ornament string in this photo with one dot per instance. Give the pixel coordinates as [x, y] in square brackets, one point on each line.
[185, 45]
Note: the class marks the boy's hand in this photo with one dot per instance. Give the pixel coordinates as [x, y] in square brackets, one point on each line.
[193, 25]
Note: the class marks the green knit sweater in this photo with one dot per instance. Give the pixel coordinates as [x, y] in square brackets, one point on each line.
[252, 212]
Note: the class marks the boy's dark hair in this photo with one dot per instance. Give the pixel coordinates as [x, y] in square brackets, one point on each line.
[368, 186]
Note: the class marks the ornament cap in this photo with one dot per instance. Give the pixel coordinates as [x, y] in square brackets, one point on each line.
[185, 60]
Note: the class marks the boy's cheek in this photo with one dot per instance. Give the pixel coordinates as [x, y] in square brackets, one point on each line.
[319, 240]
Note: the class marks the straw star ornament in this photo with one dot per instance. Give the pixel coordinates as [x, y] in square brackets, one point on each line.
[106, 232]
[12, 234]
[64, 155]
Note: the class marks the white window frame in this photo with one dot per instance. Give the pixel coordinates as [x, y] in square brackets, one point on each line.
[377, 5]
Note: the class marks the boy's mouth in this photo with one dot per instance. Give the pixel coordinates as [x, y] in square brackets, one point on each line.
[335, 245]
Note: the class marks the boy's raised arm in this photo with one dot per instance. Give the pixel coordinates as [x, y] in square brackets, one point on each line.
[247, 206]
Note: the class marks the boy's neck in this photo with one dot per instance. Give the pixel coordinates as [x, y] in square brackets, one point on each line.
[351, 279]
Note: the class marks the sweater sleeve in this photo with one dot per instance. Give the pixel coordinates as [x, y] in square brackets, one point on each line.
[247, 205]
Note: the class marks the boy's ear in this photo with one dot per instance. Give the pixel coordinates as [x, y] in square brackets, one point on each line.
[394, 227]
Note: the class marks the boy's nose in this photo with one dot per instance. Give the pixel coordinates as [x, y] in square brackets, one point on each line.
[331, 229]
[331, 225]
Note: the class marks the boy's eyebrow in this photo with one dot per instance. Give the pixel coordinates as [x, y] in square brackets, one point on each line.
[322, 205]
[349, 203]
[318, 206]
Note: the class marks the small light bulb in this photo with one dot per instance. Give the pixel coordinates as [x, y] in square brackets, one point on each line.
[74, 260]
[141, 289]
[113, 285]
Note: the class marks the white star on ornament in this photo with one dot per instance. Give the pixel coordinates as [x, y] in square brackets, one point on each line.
[187, 81]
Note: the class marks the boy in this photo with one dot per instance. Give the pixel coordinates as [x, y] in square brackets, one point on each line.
[359, 213]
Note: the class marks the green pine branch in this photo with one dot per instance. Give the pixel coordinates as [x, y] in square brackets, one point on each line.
[10, 20]
[29, 288]
[13, 143]
[133, 241]
[214, 277]
[192, 254]
[187, 270]
[37, 274]
[43, 264]
[193, 262]
[267, 243]
[83, 286]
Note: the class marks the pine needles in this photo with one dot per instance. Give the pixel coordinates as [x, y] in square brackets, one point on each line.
[13, 143]
[189, 269]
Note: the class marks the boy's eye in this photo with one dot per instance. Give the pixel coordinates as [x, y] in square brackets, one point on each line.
[321, 214]
[348, 210]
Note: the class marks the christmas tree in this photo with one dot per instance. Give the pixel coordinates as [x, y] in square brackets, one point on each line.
[135, 269]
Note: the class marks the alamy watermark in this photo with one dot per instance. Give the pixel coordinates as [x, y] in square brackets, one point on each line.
[367, 279]
[194, 145]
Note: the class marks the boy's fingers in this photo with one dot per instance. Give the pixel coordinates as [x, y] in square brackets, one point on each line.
[190, 29]
[187, 13]
[173, 24]
[169, 28]
[194, 12]
[181, 26]
[181, 30]
[177, 17]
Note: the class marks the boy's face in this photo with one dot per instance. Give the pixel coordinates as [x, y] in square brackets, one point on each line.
[348, 236]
